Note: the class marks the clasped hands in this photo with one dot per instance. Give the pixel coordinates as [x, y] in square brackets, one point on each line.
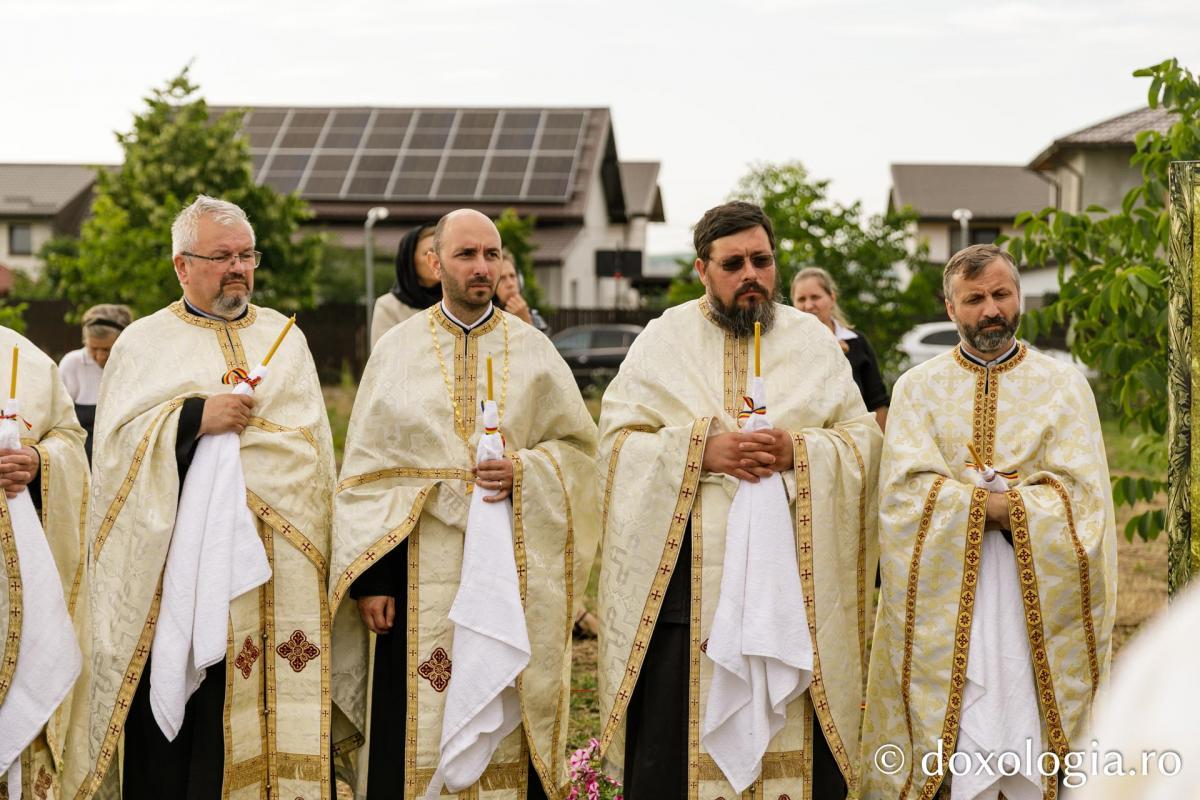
[17, 469]
[749, 455]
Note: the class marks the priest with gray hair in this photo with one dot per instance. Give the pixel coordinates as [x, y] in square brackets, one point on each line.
[254, 718]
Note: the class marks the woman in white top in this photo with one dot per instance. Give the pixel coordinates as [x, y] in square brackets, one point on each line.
[82, 369]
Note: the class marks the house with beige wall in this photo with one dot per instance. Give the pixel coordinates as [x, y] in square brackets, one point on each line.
[38, 202]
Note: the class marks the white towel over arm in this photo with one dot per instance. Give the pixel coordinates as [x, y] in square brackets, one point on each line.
[491, 643]
[48, 658]
[215, 556]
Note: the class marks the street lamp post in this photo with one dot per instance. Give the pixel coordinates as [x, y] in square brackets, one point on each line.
[963, 217]
[374, 215]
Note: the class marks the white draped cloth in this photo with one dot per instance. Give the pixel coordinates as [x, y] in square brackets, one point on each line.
[491, 643]
[49, 658]
[759, 643]
[1000, 708]
[215, 556]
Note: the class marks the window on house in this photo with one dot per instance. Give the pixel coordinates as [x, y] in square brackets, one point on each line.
[20, 239]
[978, 235]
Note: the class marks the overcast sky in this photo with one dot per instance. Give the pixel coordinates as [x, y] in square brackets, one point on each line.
[706, 88]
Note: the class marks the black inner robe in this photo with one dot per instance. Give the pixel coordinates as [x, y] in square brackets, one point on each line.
[656, 738]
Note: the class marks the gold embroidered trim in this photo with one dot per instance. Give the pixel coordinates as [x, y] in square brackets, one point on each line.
[292, 766]
[274, 427]
[521, 557]
[440, 317]
[967, 364]
[433, 473]
[1023, 549]
[735, 363]
[775, 766]
[466, 368]
[695, 623]
[496, 777]
[910, 620]
[12, 566]
[349, 744]
[45, 469]
[804, 548]
[178, 310]
[987, 395]
[413, 658]
[862, 554]
[658, 587]
[569, 582]
[972, 554]
[1085, 583]
[81, 565]
[295, 538]
[116, 723]
[327, 785]
[270, 672]
[381, 547]
[807, 717]
[114, 509]
[612, 471]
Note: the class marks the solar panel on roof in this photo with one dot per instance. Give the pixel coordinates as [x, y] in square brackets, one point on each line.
[414, 155]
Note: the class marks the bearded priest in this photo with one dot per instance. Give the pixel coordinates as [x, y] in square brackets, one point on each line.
[464, 526]
[703, 694]
[256, 720]
[999, 559]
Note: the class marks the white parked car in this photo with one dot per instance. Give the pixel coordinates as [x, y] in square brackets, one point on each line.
[931, 339]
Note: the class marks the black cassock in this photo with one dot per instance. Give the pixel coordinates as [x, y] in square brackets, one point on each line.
[389, 700]
[656, 732]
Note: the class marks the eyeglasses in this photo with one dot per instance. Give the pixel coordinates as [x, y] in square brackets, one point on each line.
[251, 257]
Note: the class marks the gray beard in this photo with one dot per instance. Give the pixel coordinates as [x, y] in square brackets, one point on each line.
[989, 341]
[230, 306]
[740, 321]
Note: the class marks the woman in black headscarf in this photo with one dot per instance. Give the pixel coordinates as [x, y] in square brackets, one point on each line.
[416, 287]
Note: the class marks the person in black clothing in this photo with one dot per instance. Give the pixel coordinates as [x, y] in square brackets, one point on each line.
[814, 292]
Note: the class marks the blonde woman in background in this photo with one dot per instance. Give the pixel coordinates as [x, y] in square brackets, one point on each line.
[814, 292]
[82, 369]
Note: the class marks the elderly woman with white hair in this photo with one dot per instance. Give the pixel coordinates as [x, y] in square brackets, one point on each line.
[82, 369]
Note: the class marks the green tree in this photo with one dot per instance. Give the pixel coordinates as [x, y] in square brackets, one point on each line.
[516, 235]
[176, 150]
[1113, 272]
[860, 252]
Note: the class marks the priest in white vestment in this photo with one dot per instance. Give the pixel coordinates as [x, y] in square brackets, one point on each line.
[998, 557]
[42, 574]
[259, 721]
[734, 624]
[463, 532]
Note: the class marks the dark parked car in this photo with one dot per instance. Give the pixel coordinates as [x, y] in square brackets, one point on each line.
[595, 352]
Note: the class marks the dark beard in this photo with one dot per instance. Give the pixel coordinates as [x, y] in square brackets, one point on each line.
[740, 321]
[990, 341]
[457, 294]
